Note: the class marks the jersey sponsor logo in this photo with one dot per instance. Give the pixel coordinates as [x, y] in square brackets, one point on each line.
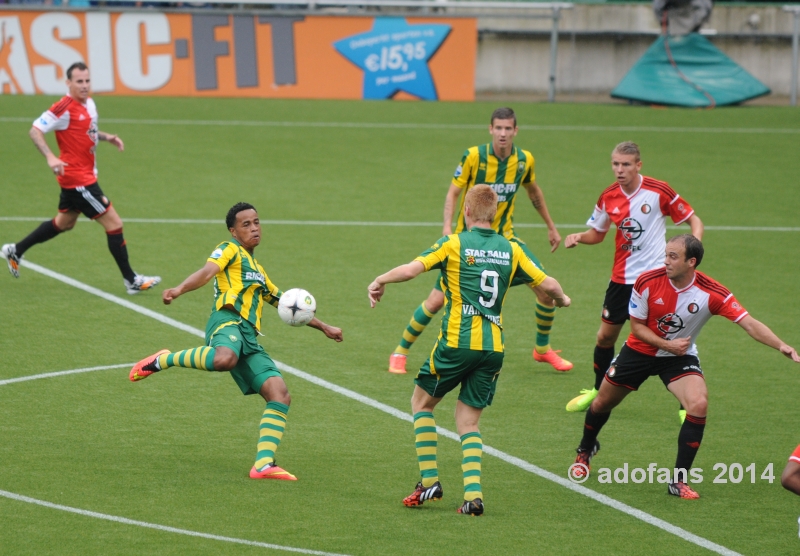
[482, 166]
[671, 323]
[646, 209]
[470, 260]
[631, 248]
[488, 253]
[633, 305]
[615, 211]
[459, 169]
[255, 276]
[92, 132]
[658, 301]
[693, 308]
[631, 229]
[216, 254]
[42, 121]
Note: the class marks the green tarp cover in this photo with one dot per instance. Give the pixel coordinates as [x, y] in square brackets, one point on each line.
[654, 80]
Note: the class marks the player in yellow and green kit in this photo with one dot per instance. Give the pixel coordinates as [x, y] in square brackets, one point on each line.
[241, 288]
[505, 168]
[477, 266]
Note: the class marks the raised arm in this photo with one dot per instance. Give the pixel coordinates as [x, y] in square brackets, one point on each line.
[536, 195]
[696, 225]
[55, 163]
[761, 333]
[402, 273]
[193, 282]
[589, 237]
[449, 208]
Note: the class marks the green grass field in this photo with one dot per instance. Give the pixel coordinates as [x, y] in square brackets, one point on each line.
[175, 450]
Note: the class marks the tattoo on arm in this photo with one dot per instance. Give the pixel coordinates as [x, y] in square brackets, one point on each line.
[537, 202]
[38, 139]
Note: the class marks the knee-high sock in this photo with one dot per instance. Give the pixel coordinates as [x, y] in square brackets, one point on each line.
[602, 361]
[197, 358]
[273, 423]
[472, 450]
[592, 424]
[47, 230]
[544, 322]
[419, 320]
[426, 443]
[118, 248]
[689, 440]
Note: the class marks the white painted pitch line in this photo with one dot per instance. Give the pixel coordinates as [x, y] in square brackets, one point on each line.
[522, 464]
[429, 126]
[126, 521]
[62, 373]
[382, 224]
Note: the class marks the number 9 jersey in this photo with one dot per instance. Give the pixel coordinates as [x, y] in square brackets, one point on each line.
[477, 269]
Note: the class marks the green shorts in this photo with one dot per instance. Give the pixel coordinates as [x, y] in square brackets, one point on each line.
[476, 371]
[515, 281]
[227, 329]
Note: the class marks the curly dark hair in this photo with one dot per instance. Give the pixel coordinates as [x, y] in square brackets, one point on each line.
[230, 219]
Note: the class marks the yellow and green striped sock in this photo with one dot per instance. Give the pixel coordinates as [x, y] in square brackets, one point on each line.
[421, 318]
[273, 423]
[426, 441]
[196, 358]
[472, 449]
[544, 322]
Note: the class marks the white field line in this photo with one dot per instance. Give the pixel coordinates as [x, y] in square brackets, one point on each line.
[522, 464]
[381, 224]
[62, 373]
[126, 521]
[434, 126]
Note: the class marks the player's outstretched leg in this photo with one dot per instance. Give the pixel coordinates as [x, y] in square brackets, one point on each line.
[542, 352]
[427, 441]
[9, 251]
[472, 453]
[419, 320]
[603, 357]
[201, 358]
[273, 423]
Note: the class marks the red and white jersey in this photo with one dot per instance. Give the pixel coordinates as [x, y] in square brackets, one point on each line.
[75, 125]
[672, 313]
[641, 225]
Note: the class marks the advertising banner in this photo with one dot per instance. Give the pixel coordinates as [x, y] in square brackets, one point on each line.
[233, 55]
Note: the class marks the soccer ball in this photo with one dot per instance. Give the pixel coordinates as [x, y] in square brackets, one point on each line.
[297, 307]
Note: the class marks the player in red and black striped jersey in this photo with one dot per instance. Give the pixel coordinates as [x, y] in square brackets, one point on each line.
[74, 120]
[668, 307]
[639, 207]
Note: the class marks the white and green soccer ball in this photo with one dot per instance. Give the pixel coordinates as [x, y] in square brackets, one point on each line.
[297, 307]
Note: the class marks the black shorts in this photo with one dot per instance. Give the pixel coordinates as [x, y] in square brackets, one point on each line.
[631, 368]
[89, 200]
[615, 305]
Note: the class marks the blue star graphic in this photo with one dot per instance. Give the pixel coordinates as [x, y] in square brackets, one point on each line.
[394, 56]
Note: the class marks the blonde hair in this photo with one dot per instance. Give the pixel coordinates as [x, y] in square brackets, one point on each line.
[482, 203]
[628, 147]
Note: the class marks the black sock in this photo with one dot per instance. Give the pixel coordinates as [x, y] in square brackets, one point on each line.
[116, 244]
[591, 428]
[689, 440]
[46, 230]
[602, 361]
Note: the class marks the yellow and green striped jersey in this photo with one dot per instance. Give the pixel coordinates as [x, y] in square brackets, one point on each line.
[480, 165]
[241, 282]
[477, 269]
